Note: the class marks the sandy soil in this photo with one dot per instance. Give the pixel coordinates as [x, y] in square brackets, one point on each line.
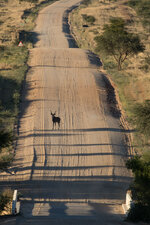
[77, 174]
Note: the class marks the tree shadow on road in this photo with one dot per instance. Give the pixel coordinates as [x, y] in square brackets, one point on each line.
[94, 129]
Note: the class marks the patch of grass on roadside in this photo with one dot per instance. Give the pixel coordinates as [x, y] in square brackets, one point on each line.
[6, 198]
[12, 71]
[30, 15]
[126, 83]
[13, 67]
[145, 64]
[5, 160]
[142, 8]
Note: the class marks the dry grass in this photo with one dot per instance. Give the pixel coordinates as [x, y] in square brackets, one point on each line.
[11, 13]
[13, 61]
[11, 19]
[133, 82]
[103, 12]
[7, 193]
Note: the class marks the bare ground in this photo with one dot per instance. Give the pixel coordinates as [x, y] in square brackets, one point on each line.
[77, 174]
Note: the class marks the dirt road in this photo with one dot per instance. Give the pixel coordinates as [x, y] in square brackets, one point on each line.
[77, 174]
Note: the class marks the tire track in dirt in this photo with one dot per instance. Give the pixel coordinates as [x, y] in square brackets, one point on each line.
[78, 171]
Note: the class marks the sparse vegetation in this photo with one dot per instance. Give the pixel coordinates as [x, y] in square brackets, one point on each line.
[142, 117]
[133, 80]
[86, 2]
[1, 22]
[5, 139]
[132, 83]
[142, 8]
[5, 161]
[13, 67]
[140, 167]
[117, 42]
[5, 200]
[88, 19]
[140, 189]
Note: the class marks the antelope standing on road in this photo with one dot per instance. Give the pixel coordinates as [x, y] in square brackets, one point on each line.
[55, 120]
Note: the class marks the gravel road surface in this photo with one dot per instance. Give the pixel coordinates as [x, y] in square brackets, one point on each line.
[75, 174]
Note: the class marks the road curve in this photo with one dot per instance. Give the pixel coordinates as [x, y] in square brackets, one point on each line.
[75, 174]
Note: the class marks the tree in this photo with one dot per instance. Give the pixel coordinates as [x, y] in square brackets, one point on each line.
[140, 188]
[141, 170]
[117, 42]
[142, 117]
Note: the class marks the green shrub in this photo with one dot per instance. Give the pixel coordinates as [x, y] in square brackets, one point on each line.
[147, 59]
[1, 22]
[110, 65]
[141, 184]
[5, 161]
[86, 2]
[88, 19]
[133, 3]
[139, 213]
[5, 138]
[142, 8]
[5, 198]
[145, 68]
[140, 188]
[142, 117]
[121, 45]
[94, 31]
[4, 1]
